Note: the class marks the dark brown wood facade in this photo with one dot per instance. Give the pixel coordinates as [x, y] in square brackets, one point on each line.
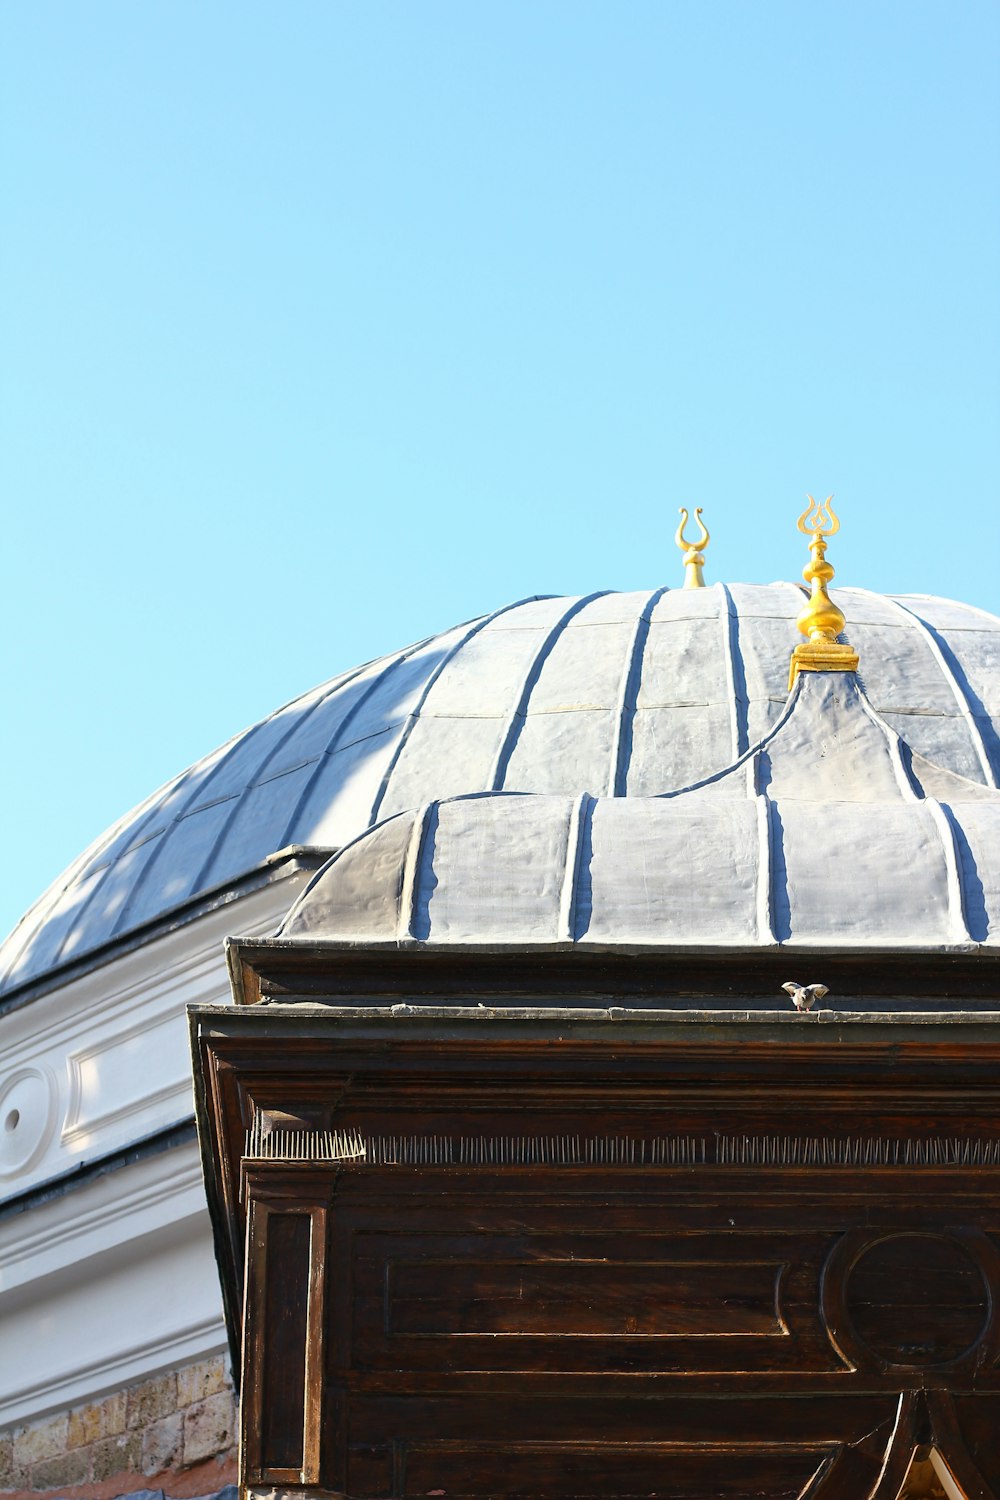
[581, 1249]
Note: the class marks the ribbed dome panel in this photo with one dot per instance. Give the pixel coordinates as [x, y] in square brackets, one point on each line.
[614, 694]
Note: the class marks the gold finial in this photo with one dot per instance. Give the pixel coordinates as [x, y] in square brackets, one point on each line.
[820, 620]
[694, 554]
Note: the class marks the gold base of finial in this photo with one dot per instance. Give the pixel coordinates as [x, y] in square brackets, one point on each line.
[694, 577]
[821, 656]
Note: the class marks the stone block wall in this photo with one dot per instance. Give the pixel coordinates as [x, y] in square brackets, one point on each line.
[175, 1433]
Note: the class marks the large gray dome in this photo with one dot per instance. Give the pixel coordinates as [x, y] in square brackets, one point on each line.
[609, 694]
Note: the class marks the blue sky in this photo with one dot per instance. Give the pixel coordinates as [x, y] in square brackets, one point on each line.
[328, 325]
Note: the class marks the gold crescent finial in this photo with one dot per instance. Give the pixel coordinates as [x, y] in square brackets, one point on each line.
[820, 621]
[694, 553]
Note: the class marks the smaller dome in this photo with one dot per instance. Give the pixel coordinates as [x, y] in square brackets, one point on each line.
[831, 833]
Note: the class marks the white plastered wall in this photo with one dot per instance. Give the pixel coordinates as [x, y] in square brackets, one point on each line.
[111, 1280]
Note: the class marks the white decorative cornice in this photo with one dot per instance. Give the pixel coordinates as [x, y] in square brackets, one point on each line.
[111, 1044]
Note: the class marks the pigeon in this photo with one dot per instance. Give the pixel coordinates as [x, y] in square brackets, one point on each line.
[804, 996]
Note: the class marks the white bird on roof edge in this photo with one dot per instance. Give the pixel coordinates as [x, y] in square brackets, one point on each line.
[804, 996]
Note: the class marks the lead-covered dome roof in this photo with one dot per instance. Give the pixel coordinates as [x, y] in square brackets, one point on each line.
[613, 695]
[831, 834]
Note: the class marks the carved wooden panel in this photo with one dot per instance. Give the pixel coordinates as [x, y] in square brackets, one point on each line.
[443, 1287]
[550, 1265]
[543, 1332]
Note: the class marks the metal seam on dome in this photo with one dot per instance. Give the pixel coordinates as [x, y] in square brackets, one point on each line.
[750, 759]
[929, 636]
[508, 740]
[334, 742]
[739, 703]
[225, 756]
[324, 695]
[776, 868]
[40, 914]
[908, 786]
[765, 871]
[320, 695]
[414, 715]
[140, 881]
[42, 909]
[409, 886]
[155, 803]
[958, 921]
[425, 867]
[975, 609]
[975, 907]
[584, 873]
[628, 695]
[571, 871]
[160, 796]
